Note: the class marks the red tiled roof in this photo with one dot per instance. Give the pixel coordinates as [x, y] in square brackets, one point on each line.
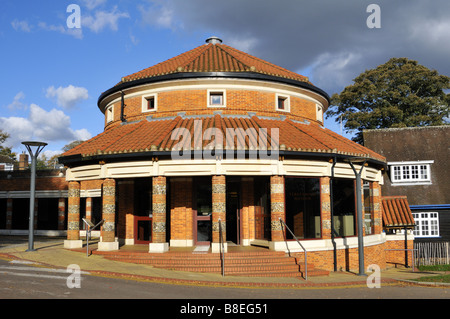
[214, 58]
[156, 135]
[396, 212]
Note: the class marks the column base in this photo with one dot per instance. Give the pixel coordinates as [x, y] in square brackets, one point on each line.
[158, 247]
[181, 243]
[277, 245]
[216, 247]
[108, 246]
[73, 244]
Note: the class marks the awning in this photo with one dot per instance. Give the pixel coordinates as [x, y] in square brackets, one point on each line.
[396, 212]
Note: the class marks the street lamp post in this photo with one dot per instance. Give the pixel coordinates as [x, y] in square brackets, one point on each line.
[359, 213]
[34, 148]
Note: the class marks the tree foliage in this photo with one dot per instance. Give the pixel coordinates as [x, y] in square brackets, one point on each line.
[7, 151]
[399, 93]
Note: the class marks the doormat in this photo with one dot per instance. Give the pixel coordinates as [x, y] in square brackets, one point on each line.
[201, 250]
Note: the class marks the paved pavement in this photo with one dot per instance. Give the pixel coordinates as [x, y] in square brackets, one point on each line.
[49, 252]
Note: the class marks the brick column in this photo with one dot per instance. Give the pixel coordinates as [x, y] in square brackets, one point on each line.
[61, 213]
[108, 229]
[325, 207]
[73, 217]
[218, 211]
[9, 208]
[375, 192]
[159, 191]
[277, 210]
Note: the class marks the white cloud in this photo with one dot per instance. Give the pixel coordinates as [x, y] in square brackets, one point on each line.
[159, 14]
[67, 97]
[21, 26]
[46, 126]
[16, 103]
[92, 4]
[334, 69]
[76, 33]
[103, 20]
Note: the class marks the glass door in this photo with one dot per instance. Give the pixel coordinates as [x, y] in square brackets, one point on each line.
[202, 210]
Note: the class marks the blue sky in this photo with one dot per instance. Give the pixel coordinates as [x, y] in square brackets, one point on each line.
[52, 76]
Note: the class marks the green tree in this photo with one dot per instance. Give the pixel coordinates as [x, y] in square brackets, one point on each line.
[7, 151]
[399, 93]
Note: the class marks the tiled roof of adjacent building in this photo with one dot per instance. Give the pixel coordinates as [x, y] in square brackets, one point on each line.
[396, 212]
[157, 135]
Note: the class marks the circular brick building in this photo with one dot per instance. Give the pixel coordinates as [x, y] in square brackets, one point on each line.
[216, 138]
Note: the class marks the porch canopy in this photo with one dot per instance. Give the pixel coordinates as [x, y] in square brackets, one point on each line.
[396, 213]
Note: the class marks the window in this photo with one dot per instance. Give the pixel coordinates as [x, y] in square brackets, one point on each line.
[216, 98]
[149, 103]
[110, 114]
[282, 103]
[410, 173]
[303, 207]
[319, 113]
[344, 207]
[427, 224]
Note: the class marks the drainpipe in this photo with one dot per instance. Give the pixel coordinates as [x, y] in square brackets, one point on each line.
[122, 106]
[332, 219]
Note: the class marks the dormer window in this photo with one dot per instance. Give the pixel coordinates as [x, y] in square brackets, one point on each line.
[282, 103]
[149, 103]
[110, 114]
[319, 113]
[216, 98]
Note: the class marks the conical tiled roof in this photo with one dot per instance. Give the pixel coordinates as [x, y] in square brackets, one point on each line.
[157, 135]
[214, 58]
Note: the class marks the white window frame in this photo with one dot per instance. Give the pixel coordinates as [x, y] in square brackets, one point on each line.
[427, 224]
[410, 173]
[287, 102]
[213, 92]
[145, 99]
[110, 114]
[319, 113]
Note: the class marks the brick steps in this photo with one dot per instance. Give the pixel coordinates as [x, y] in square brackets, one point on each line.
[250, 263]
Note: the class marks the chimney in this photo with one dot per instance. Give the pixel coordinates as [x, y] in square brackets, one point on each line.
[23, 161]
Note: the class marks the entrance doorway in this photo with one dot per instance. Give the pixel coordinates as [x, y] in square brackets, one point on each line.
[202, 210]
[233, 213]
[142, 210]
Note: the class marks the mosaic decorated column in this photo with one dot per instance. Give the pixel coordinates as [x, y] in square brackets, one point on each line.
[73, 217]
[159, 189]
[277, 209]
[325, 207]
[108, 230]
[375, 192]
[218, 212]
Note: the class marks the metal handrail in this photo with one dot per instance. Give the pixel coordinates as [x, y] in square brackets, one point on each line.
[222, 248]
[306, 253]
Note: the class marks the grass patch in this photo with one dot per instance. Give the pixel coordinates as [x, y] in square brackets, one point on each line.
[443, 278]
[435, 268]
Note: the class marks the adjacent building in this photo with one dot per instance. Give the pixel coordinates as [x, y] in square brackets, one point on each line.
[418, 168]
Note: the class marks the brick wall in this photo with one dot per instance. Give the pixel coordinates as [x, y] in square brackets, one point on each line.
[181, 219]
[191, 102]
